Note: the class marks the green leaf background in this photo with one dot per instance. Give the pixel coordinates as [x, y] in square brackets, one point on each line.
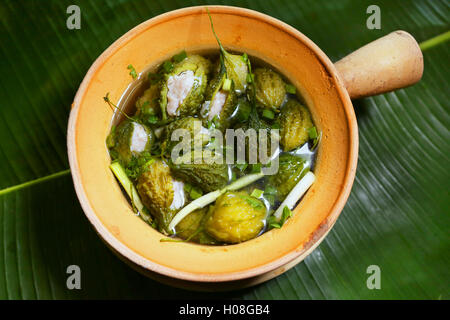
[397, 216]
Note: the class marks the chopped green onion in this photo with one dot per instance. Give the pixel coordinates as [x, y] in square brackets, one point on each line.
[226, 85]
[312, 132]
[257, 193]
[195, 193]
[133, 72]
[179, 57]
[268, 114]
[167, 66]
[291, 89]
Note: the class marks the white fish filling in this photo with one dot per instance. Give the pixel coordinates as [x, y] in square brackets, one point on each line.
[217, 104]
[139, 138]
[178, 87]
[178, 195]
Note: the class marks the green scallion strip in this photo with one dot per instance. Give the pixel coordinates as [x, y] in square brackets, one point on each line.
[195, 193]
[226, 85]
[257, 193]
[127, 185]
[179, 57]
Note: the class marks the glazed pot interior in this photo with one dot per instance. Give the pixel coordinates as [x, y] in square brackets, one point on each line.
[297, 58]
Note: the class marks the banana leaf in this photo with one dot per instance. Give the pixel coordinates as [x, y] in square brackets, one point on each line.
[397, 216]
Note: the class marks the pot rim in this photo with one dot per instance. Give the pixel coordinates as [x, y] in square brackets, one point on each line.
[317, 236]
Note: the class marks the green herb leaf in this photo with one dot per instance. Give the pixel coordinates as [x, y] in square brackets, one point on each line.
[179, 57]
[312, 132]
[133, 72]
[291, 89]
[250, 77]
[287, 213]
[167, 66]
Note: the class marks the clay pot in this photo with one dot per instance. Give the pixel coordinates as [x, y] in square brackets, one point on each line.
[392, 62]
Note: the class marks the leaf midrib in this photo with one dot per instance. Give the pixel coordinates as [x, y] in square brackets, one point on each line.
[33, 182]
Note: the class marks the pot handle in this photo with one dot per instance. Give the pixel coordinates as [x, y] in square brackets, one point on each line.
[392, 62]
